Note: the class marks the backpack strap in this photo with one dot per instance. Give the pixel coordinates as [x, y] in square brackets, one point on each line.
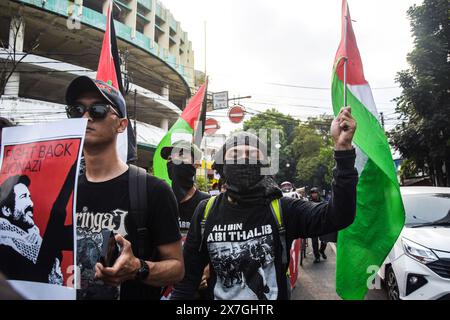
[208, 207]
[275, 208]
[137, 187]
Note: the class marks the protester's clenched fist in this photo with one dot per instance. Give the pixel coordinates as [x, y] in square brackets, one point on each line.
[343, 128]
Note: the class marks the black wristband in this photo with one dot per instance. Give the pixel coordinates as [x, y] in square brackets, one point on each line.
[143, 271]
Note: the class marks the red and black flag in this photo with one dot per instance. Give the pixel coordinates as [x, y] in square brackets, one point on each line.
[109, 71]
[201, 120]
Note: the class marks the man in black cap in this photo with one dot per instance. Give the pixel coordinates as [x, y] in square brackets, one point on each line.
[103, 203]
[183, 158]
[246, 232]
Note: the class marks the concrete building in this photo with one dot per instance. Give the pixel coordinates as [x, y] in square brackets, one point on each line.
[57, 40]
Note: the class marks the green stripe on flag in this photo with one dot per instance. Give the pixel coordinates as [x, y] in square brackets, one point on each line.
[159, 164]
[379, 214]
[369, 136]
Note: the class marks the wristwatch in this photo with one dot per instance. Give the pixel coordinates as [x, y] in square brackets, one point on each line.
[143, 271]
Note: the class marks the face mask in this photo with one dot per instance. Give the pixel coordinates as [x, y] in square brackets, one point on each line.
[182, 176]
[242, 176]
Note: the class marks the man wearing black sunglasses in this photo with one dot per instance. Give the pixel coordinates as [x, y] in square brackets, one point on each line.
[103, 203]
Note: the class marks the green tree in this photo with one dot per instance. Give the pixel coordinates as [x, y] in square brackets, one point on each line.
[272, 119]
[201, 183]
[314, 150]
[423, 137]
[306, 149]
[322, 125]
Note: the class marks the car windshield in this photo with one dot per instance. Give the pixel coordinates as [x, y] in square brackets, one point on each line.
[426, 208]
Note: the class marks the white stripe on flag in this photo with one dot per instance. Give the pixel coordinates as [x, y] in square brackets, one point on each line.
[364, 94]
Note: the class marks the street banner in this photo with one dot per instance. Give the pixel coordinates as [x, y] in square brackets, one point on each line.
[38, 179]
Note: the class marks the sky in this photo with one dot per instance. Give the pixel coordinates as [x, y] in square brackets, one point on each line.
[252, 45]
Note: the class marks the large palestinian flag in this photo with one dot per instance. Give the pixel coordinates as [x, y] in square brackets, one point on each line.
[379, 214]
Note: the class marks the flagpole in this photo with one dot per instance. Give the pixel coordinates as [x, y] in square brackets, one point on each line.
[135, 118]
[204, 106]
[205, 46]
[346, 57]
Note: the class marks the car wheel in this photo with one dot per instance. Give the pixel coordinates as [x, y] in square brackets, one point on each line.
[392, 285]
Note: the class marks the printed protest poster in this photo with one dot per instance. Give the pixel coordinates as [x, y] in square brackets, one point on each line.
[38, 179]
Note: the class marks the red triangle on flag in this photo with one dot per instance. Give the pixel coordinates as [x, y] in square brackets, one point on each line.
[106, 70]
[349, 49]
[192, 111]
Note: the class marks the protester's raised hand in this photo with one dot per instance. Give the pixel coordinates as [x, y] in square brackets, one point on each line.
[343, 128]
[124, 269]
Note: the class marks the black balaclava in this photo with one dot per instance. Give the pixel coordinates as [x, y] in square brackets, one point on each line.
[182, 176]
[245, 183]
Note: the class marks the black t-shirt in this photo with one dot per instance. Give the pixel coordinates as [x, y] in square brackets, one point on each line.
[105, 205]
[243, 245]
[241, 248]
[187, 210]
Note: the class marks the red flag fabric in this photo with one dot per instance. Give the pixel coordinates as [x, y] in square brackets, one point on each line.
[349, 49]
[106, 70]
[192, 111]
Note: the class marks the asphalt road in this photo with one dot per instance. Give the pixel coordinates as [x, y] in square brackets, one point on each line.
[317, 281]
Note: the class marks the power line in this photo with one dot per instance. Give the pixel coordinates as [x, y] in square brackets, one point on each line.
[386, 88]
[307, 98]
[131, 57]
[176, 65]
[320, 88]
[301, 86]
[289, 105]
[296, 86]
[173, 85]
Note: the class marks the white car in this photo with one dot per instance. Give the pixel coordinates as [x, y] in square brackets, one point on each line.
[418, 267]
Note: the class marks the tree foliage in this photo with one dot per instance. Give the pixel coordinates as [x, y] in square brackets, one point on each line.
[272, 119]
[313, 148]
[423, 137]
[306, 149]
[201, 183]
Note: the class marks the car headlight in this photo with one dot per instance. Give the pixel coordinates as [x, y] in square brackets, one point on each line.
[418, 252]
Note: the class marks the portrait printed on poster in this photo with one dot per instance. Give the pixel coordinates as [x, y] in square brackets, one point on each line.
[37, 183]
